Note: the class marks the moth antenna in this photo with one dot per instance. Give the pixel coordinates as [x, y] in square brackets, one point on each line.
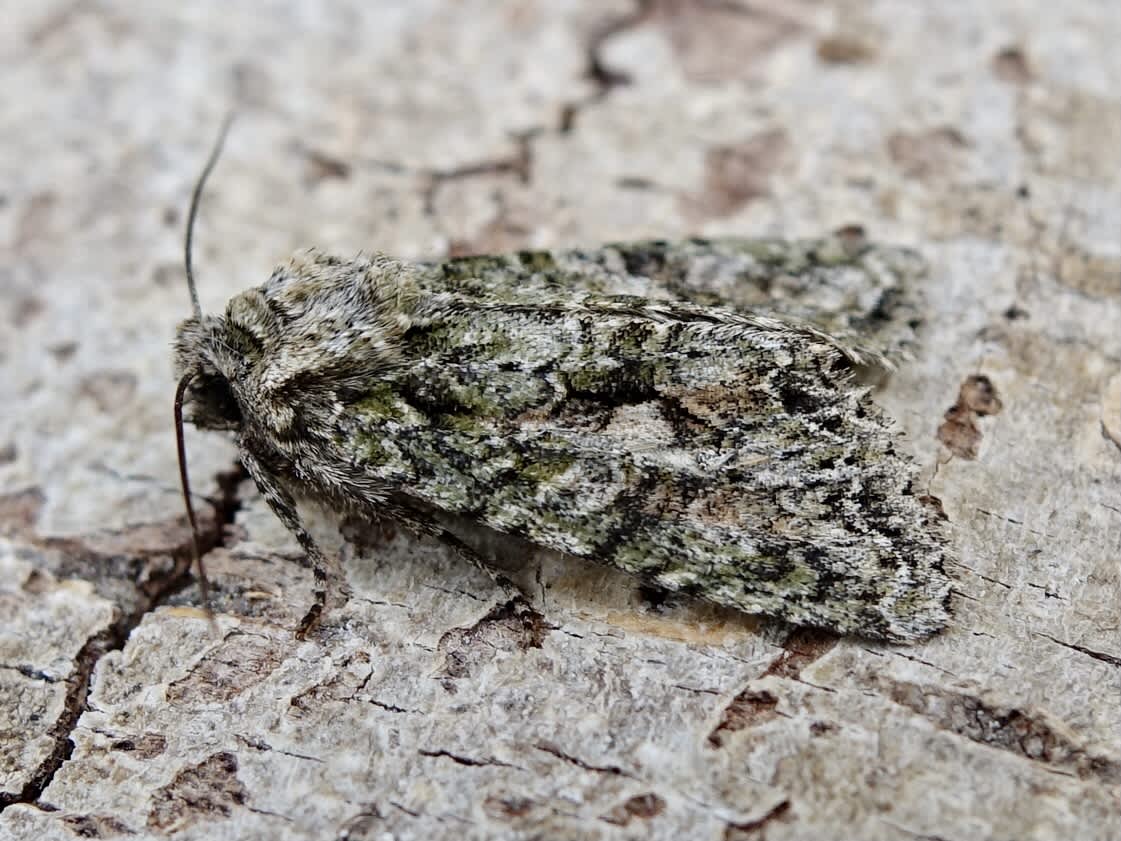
[196, 196]
[185, 482]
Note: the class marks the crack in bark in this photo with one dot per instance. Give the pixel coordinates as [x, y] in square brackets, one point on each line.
[404, 809]
[150, 595]
[467, 760]
[392, 707]
[553, 750]
[1111, 659]
[265, 747]
[225, 507]
[915, 659]
[751, 829]
[982, 576]
[30, 672]
[519, 164]
[77, 689]
[597, 70]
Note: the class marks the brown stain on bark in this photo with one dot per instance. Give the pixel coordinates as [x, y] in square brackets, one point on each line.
[959, 431]
[144, 746]
[641, 806]
[756, 830]
[239, 663]
[844, 49]
[208, 791]
[1027, 733]
[1010, 64]
[717, 41]
[749, 708]
[802, 647]
[752, 707]
[737, 174]
[932, 153]
[19, 512]
[513, 626]
[96, 826]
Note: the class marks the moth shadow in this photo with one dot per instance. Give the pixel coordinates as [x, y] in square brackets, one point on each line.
[386, 561]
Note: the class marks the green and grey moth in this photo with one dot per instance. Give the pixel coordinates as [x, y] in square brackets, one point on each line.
[685, 411]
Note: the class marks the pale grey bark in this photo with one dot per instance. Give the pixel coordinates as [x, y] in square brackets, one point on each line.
[986, 135]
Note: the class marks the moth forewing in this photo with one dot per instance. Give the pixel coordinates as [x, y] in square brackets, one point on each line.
[721, 453]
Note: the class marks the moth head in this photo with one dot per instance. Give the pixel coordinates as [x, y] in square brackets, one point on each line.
[318, 329]
[209, 360]
[214, 355]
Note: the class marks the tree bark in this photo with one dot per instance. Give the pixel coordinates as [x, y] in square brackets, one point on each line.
[986, 135]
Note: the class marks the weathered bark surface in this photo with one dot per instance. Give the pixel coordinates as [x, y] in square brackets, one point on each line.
[986, 134]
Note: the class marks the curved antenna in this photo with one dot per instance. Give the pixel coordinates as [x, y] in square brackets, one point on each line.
[204, 585]
[195, 198]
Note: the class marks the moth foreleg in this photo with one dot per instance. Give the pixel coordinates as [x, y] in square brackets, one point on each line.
[284, 507]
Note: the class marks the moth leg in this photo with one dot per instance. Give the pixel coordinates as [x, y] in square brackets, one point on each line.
[352, 490]
[423, 525]
[284, 507]
[509, 590]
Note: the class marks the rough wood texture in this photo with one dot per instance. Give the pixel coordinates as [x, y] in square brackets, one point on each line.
[988, 135]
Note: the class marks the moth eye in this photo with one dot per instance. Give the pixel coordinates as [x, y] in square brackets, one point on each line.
[218, 398]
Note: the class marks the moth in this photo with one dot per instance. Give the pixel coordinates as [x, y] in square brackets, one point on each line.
[689, 412]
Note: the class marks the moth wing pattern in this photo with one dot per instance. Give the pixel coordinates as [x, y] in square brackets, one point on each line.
[861, 293]
[596, 403]
[706, 451]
